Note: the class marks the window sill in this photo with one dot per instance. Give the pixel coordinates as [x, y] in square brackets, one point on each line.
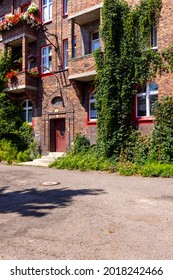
[46, 74]
[144, 119]
[46, 22]
[90, 123]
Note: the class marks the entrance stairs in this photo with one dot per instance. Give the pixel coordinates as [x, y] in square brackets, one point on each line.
[44, 160]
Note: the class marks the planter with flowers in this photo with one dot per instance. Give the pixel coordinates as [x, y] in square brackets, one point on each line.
[11, 77]
[27, 17]
[11, 74]
[33, 72]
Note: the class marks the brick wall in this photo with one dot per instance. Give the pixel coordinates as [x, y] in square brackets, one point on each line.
[75, 94]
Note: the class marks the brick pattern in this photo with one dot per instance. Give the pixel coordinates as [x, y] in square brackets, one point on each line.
[75, 94]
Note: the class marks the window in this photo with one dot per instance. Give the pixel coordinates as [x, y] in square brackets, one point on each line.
[46, 59]
[27, 111]
[92, 109]
[153, 37]
[95, 41]
[145, 99]
[65, 7]
[46, 10]
[74, 47]
[65, 53]
[57, 101]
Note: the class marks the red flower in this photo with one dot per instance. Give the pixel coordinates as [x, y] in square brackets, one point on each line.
[11, 74]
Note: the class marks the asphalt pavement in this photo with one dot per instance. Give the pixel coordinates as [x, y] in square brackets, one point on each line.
[58, 214]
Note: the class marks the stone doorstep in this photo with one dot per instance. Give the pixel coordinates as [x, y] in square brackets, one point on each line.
[44, 160]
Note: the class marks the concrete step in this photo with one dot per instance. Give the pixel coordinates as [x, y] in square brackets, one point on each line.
[44, 160]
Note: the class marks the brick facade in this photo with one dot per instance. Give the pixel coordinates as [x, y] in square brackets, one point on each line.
[71, 86]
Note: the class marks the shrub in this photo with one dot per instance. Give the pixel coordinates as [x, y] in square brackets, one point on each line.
[81, 144]
[162, 136]
[8, 151]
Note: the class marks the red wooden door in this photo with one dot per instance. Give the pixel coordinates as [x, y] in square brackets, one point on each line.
[60, 141]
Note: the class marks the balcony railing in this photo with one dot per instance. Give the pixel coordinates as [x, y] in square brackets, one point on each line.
[82, 68]
[21, 83]
[12, 32]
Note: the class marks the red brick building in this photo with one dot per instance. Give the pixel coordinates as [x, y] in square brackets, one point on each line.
[58, 43]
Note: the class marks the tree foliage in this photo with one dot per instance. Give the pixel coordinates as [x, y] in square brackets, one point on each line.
[5, 66]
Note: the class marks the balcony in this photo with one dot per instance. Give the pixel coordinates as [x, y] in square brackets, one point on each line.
[18, 26]
[85, 12]
[82, 68]
[21, 83]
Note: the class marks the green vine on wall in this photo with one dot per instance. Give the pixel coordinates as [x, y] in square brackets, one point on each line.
[127, 60]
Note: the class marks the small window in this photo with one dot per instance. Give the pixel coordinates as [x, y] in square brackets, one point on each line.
[27, 111]
[65, 7]
[46, 59]
[153, 37]
[145, 99]
[57, 101]
[65, 53]
[95, 41]
[46, 10]
[92, 109]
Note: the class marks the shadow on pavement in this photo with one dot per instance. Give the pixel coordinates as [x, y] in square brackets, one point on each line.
[38, 203]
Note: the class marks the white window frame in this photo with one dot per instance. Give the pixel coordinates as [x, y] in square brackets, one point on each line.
[93, 41]
[65, 53]
[26, 110]
[147, 95]
[46, 59]
[92, 101]
[65, 7]
[153, 37]
[46, 10]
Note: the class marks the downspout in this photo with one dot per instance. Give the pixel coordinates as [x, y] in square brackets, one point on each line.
[12, 7]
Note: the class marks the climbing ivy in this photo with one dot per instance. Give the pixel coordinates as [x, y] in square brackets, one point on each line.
[125, 62]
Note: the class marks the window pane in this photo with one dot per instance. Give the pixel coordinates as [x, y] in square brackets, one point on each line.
[95, 36]
[24, 104]
[74, 47]
[50, 63]
[95, 44]
[45, 15]
[65, 53]
[30, 115]
[141, 106]
[153, 86]
[93, 113]
[153, 99]
[153, 39]
[29, 104]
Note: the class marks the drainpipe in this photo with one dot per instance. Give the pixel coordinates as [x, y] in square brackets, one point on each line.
[12, 7]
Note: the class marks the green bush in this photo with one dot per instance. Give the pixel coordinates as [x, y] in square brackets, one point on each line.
[8, 151]
[137, 148]
[162, 136]
[81, 144]
[157, 170]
